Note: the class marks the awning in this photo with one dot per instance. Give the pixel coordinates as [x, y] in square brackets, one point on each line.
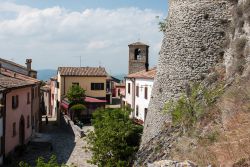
[64, 104]
[94, 100]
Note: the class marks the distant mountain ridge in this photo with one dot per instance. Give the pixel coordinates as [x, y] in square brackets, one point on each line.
[46, 74]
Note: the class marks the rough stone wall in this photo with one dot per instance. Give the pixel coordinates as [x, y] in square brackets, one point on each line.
[237, 57]
[192, 44]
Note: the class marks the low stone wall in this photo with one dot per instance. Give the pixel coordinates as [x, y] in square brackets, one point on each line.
[76, 129]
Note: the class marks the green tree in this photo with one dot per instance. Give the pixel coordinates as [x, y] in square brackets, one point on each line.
[76, 94]
[115, 138]
[41, 163]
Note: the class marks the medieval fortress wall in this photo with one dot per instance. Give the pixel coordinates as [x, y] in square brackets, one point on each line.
[192, 44]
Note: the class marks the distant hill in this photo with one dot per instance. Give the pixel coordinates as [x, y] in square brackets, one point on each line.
[119, 76]
[46, 74]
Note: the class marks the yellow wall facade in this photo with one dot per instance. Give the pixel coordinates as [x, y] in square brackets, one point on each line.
[85, 82]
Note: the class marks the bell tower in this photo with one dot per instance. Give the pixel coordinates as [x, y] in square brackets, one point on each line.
[138, 57]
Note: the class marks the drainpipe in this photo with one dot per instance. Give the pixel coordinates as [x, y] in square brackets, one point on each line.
[133, 97]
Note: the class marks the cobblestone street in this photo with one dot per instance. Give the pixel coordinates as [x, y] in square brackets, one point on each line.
[67, 148]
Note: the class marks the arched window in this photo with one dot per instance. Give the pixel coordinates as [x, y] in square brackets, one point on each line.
[138, 54]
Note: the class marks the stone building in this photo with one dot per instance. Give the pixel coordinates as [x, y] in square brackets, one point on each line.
[138, 57]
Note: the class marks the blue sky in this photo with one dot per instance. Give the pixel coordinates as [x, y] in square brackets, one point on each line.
[57, 32]
[159, 5]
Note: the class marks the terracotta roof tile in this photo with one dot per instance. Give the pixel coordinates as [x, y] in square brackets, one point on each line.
[150, 74]
[82, 71]
[54, 78]
[11, 82]
[10, 73]
[14, 64]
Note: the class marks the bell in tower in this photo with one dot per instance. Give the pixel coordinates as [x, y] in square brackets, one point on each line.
[138, 57]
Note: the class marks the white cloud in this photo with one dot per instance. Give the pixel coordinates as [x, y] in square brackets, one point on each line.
[55, 36]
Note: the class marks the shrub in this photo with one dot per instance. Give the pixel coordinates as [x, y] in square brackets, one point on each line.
[162, 25]
[115, 139]
[191, 106]
[41, 163]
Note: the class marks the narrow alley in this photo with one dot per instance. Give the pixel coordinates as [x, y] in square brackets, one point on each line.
[68, 149]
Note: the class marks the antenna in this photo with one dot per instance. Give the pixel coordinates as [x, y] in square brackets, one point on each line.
[80, 58]
[100, 63]
[80, 61]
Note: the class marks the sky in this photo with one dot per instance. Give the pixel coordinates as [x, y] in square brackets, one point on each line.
[57, 33]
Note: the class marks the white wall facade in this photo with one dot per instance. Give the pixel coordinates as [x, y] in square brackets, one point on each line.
[140, 100]
[129, 96]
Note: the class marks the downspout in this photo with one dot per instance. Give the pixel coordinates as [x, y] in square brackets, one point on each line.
[133, 97]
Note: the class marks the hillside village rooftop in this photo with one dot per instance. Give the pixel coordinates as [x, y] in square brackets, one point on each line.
[150, 74]
[83, 71]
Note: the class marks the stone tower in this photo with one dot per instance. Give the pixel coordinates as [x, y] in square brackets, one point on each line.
[138, 57]
[192, 44]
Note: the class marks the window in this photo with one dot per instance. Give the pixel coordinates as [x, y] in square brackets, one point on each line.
[14, 129]
[35, 90]
[32, 93]
[57, 84]
[28, 121]
[138, 54]
[97, 86]
[146, 92]
[28, 98]
[119, 92]
[145, 113]
[14, 102]
[75, 84]
[137, 91]
[129, 88]
[137, 110]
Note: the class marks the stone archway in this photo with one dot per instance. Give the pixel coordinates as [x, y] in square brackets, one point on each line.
[21, 131]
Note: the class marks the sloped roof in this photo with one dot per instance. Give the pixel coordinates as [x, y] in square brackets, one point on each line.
[11, 82]
[45, 88]
[150, 74]
[12, 74]
[20, 68]
[138, 44]
[54, 78]
[83, 71]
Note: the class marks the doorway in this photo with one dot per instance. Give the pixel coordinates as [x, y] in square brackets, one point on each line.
[21, 131]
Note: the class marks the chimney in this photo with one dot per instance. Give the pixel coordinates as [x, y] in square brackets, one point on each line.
[28, 63]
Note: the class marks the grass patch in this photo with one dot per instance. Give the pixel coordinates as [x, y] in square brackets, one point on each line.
[192, 105]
